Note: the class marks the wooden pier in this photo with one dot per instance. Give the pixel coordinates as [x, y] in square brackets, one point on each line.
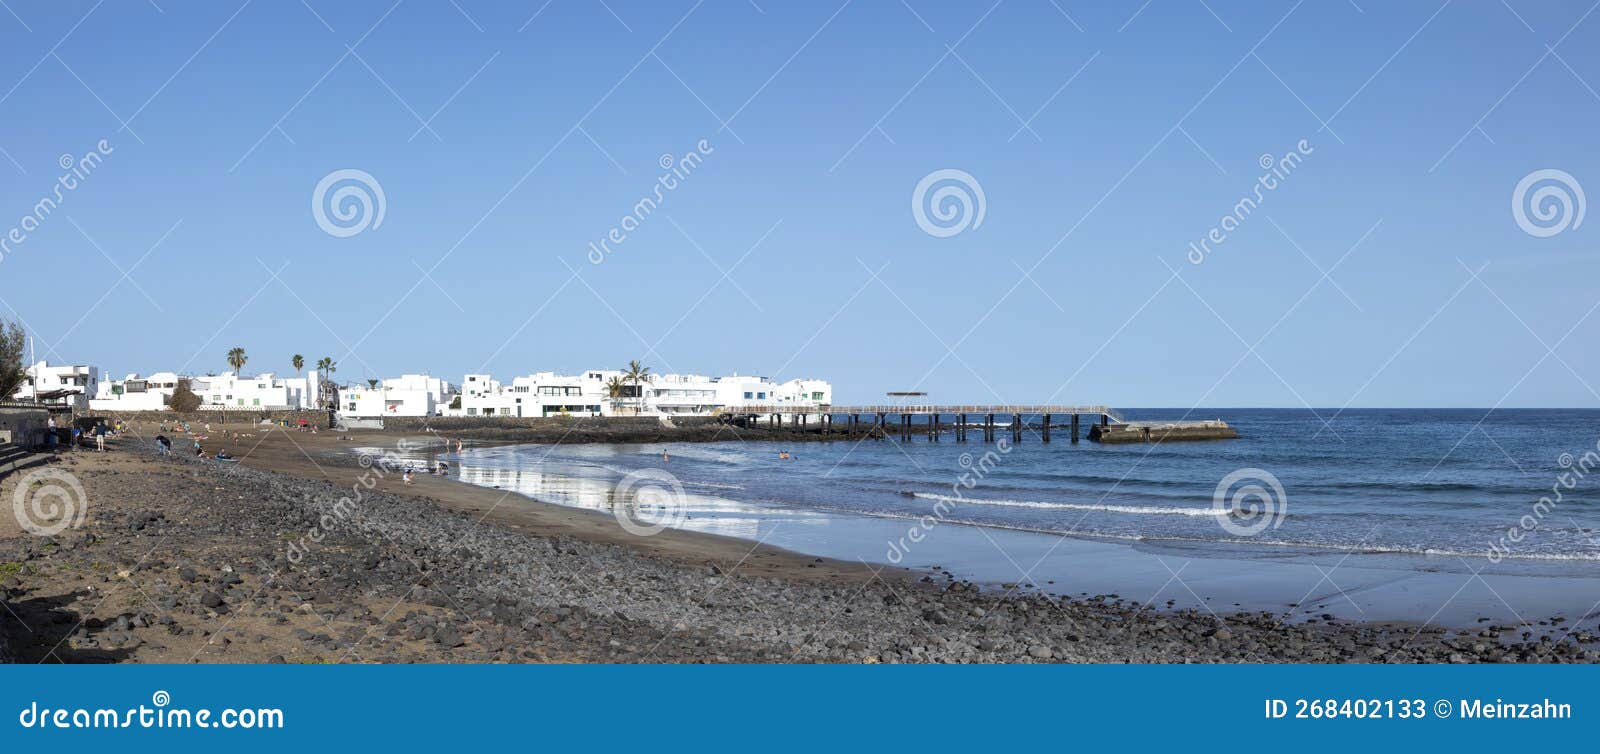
[966, 418]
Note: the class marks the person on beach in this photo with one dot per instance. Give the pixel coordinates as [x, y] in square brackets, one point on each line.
[163, 445]
[100, 437]
[407, 477]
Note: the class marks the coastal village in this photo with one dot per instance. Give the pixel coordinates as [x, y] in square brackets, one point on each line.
[633, 391]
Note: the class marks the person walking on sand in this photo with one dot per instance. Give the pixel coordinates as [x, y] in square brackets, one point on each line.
[407, 477]
[163, 445]
[100, 437]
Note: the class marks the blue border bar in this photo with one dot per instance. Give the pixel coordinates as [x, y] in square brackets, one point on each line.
[797, 707]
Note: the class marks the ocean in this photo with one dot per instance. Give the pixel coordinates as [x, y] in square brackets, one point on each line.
[1462, 491]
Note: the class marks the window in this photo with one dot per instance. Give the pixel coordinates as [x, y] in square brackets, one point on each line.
[817, 396]
[352, 407]
[748, 395]
[472, 412]
[761, 396]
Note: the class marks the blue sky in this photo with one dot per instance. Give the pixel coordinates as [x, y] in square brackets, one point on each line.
[1105, 138]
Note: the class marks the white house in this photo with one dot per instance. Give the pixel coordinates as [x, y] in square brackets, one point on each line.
[589, 394]
[263, 392]
[538, 394]
[408, 395]
[135, 393]
[59, 385]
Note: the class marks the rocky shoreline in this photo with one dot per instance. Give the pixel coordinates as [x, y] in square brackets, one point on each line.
[194, 561]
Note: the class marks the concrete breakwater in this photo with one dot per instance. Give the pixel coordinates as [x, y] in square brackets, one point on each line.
[1215, 429]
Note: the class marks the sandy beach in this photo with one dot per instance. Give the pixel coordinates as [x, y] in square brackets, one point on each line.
[182, 560]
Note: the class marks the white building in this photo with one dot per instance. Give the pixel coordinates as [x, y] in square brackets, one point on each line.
[135, 393]
[409, 395]
[589, 394]
[59, 385]
[538, 394]
[263, 392]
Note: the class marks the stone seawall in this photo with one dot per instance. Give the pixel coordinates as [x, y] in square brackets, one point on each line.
[232, 416]
[24, 427]
[468, 423]
[622, 429]
[1162, 432]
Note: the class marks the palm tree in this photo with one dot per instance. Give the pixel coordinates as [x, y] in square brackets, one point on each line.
[615, 388]
[236, 358]
[325, 368]
[638, 374]
[298, 362]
